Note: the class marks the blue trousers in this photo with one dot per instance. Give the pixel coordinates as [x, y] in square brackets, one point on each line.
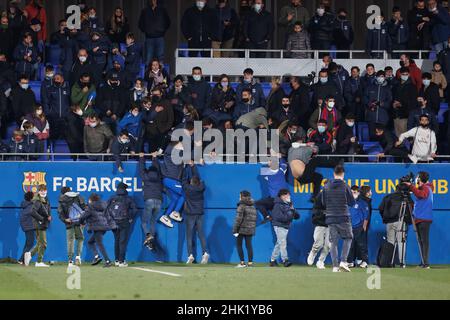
[175, 193]
[154, 48]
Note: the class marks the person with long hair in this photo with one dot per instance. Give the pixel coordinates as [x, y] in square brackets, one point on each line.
[117, 27]
[156, 76]
[41, 126]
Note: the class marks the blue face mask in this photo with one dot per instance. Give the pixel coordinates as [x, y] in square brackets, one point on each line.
[321, 129]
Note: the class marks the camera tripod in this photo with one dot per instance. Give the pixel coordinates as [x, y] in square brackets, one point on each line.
[405, 205]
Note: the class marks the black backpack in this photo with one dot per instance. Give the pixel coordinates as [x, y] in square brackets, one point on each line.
[118, 209]
[385, 254]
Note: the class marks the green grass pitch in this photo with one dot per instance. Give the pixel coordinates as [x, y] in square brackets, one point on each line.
[218, 281]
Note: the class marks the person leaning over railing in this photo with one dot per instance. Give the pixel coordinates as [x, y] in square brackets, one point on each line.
[122, 144]
[74, 129]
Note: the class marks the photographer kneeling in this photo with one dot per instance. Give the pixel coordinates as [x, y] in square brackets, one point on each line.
[423, 213]
[396, 227]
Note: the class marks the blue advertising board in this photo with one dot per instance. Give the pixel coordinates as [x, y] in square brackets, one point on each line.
[223, 183]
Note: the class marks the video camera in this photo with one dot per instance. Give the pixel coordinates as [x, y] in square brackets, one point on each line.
[408, 178]
[403, 187]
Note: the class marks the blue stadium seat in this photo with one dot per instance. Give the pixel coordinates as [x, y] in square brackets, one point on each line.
[432, 56]
[42, 70]
[53, 54]
[60, 146]
[142, 71]
[10, 130]
[442, 110]
[372, 148]
[183, 53]
[36, 87]
[363, 132]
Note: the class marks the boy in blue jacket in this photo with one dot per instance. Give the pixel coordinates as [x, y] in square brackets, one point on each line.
[194, 194]
[26, 223]
[282, 215]
[359, 213]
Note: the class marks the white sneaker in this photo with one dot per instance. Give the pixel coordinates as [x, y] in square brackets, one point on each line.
[343, 266]
[205, 258]
[116, 263]
[176, 216]
[336, 269]
[165, 220]
[311, 258]
[41, 265]
[350, 264]
[320, 265]
[123, 265]
[363, 265]
[78, 260]
[70, 264]
[190, 259]
[240, 265]
[27, 258]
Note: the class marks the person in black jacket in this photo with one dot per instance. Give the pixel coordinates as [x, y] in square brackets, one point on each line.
[300, 101]
[152, 189]
[321, 236]
[26, 223]
[275, 96]
[122, 209]
[98, 222]
[430, 91]
[282, 215]
[404, 97]
[195, 26]
[179, 96]
[284, 112]
[321, 28]
[387, 141]
[194, 212]
[343, 34]
[419, 26]
[390, 213]
[378, 38]
[258, 29]
[223, 100]
[353, 94]
[200, 90]
[154, 23]
[23, 99]
[74, 130]
[71, 202]
[122, 144]
[398, 31]
[6, 38]
[224, 23]
[81, 66]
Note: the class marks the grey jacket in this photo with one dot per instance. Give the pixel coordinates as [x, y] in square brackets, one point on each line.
[98, 139]
[254, 119]
[299, 41]
[300, 14]
[302, 153]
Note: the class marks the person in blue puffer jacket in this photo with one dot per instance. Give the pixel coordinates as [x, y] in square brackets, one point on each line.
[359, 214]
[398, 31]
[282, 215]
[378, 38]
[26, 223]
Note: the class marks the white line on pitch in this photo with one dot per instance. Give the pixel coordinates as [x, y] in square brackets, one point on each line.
[156, 271]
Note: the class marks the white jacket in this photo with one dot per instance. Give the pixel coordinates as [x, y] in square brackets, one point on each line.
[424, 143]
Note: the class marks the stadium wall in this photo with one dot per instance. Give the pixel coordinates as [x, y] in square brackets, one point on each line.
[223, 181]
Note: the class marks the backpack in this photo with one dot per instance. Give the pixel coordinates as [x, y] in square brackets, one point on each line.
[75, 213]
[118, 209]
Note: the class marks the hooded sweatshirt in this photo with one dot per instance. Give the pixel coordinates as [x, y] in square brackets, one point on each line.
[65, 202]
[96, 217]
[26, 219]
[336, 198]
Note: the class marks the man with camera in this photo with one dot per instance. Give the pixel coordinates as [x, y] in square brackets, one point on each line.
[397, 217]
[423, 213]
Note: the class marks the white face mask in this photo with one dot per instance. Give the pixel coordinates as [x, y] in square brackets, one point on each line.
[200, 4]
[331, 104]
[224, 84]
[82, 59]
[135, 113]
[296, 145]
[426, 82]
[323, 80]
[350, 123]
[43, 194]
[39, 112]
[24, 86]
[50, 75]
[320, 11]
[404, 78]
[124, 141]
[197, 77]
[93, 125]
[355, 195]
[257, 7]
[380, 80]
[288, 200]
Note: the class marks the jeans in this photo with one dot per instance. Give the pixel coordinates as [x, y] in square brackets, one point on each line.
[423, 232]
[359, 246]
[41, 245]
[149, 215]
[281, 245]
[265, 205]
[74, 234]
[248, 245]
[176, 195]
[395, 231]
[121, 235]
[438, 47]
[321, 242]
[96, 240]
[195, 222]
[29, 242]
[344, 232]
[154, 48]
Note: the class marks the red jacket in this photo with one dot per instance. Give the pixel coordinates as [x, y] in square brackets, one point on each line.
[415, 73]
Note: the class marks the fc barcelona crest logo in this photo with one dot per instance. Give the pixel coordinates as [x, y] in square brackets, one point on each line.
[32, 180]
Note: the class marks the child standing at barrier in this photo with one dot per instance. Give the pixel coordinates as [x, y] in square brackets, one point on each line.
[194, 191]
[282, 215]
[321, 236]
[152, 189]
[244, 227]
[98, 222]
[41, 213]
[26, 223]
[359, 213]
[70, 208]
[122, 209]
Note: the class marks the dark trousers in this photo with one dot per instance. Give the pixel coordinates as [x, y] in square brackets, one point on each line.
[423, 231]
[342, 55]
[29, 243]
[96, 241]
[310, 175]
[323, 45]
[194, 223]
[57, 126]
[121, 235]
[155, 142]
[197, 44]
[264, 206]
[359, 246]
[259, 46]
[75, 147]
[248, 245]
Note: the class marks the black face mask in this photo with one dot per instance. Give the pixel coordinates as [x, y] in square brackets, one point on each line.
[85, 84]
[342, 17]
[286, 106]
[156, 99]
[58, 84]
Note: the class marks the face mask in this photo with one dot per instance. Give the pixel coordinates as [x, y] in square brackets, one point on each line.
[421, 103]
[43, 194]
[50, 76]
[404, 78]
[58, 84]
[92, 16]
[350, 123]
[79, 112]
[320, 11]
[331, 104]
[296, 145]
[288, 200]
[24, 86]
[93, 125]
[135, 113]
[355, 196]
[321, 129]
[380, 80]
[138, 89]
[247, 80]
[155, 71]
[293, 132]
[197, 77]
[224, 84]
[200, 4]
[39, 112]
[342, 17]
[124, 141]
[286, 106]
[323, 80]
[30, 132]
[82, 59]
[258, 7]
[426, 82]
